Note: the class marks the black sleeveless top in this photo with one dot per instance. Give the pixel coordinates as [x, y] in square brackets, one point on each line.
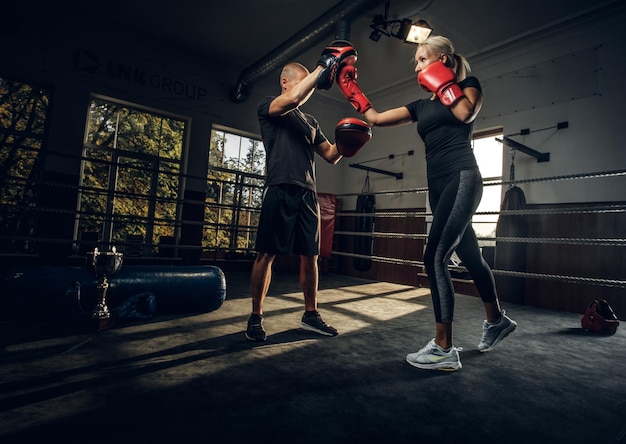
[447, 139]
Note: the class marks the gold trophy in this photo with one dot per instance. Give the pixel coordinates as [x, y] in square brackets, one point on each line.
[103, 264]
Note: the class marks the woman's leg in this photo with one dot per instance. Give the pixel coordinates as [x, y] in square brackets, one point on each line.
[468, 251]
[453, 203]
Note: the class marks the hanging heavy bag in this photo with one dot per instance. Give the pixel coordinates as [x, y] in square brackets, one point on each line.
[600, 318]
[364, 245]
[511, 256]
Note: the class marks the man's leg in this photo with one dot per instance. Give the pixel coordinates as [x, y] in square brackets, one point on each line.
[309, 279]
[259, 284]
[260, 280]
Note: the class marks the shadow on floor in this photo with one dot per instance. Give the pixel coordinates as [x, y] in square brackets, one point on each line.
[194, 378]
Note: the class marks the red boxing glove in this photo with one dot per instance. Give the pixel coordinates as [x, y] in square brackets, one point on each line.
[440, 79]
[348, 86]
[350, 135]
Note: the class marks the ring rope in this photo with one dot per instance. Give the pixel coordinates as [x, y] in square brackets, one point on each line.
[605, 242]
[617, 208]
[616, 283]
[595, 175]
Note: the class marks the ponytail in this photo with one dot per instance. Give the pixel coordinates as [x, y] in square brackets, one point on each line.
[440, 46]
[461, 67]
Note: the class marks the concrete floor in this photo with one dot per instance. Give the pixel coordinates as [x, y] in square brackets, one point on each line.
[195, 378]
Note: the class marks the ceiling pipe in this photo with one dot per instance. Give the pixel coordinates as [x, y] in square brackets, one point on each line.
[300, 42]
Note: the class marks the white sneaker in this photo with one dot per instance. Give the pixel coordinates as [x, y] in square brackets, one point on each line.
[494, 333]
[433, 357]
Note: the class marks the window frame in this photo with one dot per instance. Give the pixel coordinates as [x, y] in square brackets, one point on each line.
[489, 182]
[230, 225]
[154, 170]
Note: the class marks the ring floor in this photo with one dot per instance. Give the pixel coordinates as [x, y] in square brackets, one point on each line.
[195, 378]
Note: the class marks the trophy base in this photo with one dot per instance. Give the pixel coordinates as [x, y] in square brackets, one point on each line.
[101, 311]
[100, 324]
[101, 318]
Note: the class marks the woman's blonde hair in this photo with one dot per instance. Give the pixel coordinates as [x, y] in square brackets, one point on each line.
[440, 45]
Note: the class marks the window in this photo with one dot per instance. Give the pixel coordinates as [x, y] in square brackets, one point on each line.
[23, 118]
[130, 176]
[235, 181]
[488, 152]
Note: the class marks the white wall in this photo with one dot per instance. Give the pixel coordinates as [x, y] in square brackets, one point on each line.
[573, 73]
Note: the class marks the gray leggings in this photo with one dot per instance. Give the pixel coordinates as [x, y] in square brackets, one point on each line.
[453, 200]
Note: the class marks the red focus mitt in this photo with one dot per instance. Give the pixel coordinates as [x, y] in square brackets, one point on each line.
[350, 135]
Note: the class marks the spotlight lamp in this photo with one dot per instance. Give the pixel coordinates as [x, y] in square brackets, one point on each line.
[418, 32]
[403, 29]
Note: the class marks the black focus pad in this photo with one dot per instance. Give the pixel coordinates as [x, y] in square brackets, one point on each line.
[337, 53]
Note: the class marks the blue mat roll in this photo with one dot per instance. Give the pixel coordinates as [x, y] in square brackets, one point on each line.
[52, 291]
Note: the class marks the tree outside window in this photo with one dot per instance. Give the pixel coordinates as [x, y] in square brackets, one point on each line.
[234, 191]
[131, 169]
[23, 118]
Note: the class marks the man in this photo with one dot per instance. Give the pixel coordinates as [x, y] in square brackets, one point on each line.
[290, 218]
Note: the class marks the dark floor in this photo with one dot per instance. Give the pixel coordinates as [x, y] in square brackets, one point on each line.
[195, 378]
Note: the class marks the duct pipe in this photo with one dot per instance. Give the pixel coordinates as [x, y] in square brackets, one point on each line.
[342, 30]
[297, 44]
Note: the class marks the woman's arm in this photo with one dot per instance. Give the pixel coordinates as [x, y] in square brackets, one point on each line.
[349, 87]
[468, 107]
[393, 117]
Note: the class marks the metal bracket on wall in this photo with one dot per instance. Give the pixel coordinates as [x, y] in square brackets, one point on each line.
[541, 157]
[376, 170]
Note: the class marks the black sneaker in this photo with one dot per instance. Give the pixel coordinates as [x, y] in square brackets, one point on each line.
[312, 321]
[255, 331]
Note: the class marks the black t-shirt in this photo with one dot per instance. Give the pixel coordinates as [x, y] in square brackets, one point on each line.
[289, 142]
[447, 139]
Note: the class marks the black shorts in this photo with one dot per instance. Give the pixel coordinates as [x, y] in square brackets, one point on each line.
[289, 221]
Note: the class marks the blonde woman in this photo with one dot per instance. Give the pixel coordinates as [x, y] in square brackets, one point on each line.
[445, 124]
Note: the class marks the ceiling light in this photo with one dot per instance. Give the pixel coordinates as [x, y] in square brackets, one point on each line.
[403, 29]
[418, 32]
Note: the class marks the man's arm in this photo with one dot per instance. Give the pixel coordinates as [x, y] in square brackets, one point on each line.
[328, 152]
[296, 96]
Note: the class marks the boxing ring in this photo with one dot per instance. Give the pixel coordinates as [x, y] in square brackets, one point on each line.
[572, 253]
[576, 250]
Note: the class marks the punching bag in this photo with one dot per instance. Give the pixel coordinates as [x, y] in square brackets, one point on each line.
[328, 205]
[511, 256]
[364, 245]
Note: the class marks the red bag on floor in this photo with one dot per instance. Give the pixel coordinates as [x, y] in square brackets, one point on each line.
[600, 318]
